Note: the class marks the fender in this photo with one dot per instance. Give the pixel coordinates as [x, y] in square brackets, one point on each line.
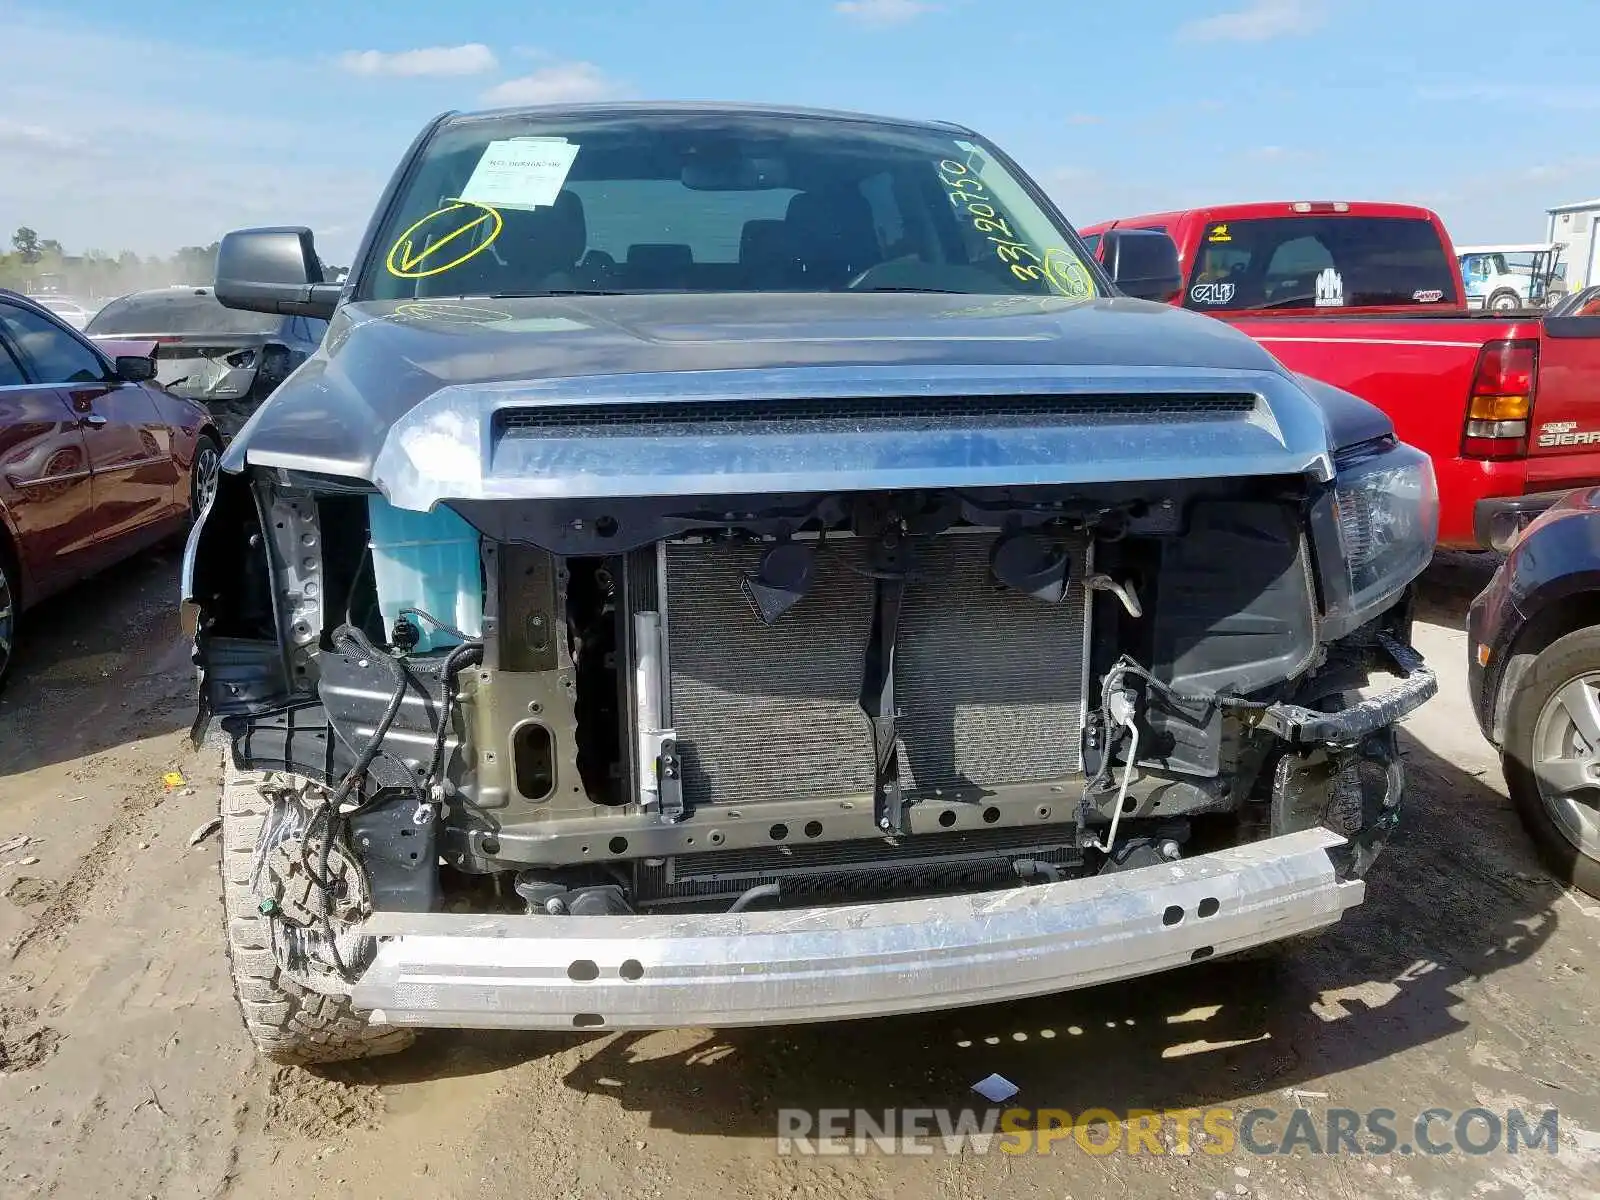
[1556, 565]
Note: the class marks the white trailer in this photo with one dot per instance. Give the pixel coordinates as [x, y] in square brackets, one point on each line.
[1574, 224]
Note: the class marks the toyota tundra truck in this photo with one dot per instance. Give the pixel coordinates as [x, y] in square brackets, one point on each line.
[733, 565]
[1369, 297]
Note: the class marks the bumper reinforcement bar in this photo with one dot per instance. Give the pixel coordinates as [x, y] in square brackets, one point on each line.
[818, 964]
[1306, 726]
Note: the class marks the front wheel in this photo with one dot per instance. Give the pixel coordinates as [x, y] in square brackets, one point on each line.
[295, 1005]
[1505, 301]
[10, 607]
[1552, 756]
[203, 474]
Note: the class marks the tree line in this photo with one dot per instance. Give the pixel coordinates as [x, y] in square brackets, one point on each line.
[40, 264]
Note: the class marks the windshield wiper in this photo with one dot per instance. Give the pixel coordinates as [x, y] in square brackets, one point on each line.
[931, 291]
[555, 292]
[687, 291]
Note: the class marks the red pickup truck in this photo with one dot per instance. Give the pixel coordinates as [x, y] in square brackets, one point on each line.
[1369, 298]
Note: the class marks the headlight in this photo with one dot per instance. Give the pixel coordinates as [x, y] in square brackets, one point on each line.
[1388, 517]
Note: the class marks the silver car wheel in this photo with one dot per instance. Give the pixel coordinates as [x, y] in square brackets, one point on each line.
[8, 618]
[1566, 761]
[207, 463]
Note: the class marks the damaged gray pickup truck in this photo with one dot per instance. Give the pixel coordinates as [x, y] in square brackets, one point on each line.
[731, 565]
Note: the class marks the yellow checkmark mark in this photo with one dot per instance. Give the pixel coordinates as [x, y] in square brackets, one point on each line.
[436, 231]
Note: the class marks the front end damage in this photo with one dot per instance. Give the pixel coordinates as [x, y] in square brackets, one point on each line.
[817, 696]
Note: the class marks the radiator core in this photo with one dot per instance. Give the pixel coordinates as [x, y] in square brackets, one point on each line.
[989, 684]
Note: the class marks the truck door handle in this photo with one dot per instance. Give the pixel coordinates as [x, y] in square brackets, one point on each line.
[92, 420]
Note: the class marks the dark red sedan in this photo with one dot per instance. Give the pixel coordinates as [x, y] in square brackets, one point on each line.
[97, 461]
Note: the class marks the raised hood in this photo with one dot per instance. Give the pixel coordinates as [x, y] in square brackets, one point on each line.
[701, 395]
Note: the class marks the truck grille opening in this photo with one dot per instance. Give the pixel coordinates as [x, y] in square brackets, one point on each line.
[697, 417]
[990, 684]
[877, 869]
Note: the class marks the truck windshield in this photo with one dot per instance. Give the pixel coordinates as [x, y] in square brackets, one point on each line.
[625, 202]
[1319, 262]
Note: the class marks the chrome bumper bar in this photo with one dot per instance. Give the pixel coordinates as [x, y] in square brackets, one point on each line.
[820, 964]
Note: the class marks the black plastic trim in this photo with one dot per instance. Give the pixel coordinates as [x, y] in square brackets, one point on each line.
[1486, 510]
[1304, 726]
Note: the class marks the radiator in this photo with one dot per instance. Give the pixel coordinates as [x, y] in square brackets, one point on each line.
[989, 684]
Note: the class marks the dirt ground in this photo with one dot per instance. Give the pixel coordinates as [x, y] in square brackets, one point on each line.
[1467, 979]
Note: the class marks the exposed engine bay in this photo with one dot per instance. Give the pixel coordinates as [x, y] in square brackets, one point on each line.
[795, 700]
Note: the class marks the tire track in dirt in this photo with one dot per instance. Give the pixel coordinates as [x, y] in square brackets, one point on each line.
[116, 699]
[25, 1043]
[62, 913]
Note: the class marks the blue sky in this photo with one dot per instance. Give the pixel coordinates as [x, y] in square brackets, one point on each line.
[167, 122]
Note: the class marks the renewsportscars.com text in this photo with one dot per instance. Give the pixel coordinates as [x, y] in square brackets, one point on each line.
[1214, 1131]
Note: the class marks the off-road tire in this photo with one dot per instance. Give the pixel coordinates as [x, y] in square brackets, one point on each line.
[1344, 816]
[1564, 659]
[288, 1023]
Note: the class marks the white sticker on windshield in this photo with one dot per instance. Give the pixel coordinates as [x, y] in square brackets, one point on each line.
[1212, 293]
[1330, 289]
[520, 172]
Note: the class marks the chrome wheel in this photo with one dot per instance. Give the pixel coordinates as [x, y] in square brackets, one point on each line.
[207, 463]
[1566, 761]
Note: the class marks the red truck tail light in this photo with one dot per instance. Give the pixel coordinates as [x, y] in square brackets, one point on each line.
[1500, 404]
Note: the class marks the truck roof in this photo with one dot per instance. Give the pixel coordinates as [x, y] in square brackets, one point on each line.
[1512, 248]
[1257, 210]
[645, 108]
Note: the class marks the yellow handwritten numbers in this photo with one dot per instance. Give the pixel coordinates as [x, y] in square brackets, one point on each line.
[1057, 268]
[439, 242]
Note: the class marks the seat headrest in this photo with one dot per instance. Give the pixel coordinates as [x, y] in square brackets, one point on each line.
[843, 212]
[660, 256]
[762, 240]
[833, 231]
[549, 238]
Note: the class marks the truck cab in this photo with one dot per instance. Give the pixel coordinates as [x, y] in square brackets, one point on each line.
[1289, 257]
[1370, 298]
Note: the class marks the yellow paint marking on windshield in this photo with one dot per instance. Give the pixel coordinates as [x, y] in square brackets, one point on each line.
[404, 260]
[1057, 268]
[1064, 270]
[449, 310]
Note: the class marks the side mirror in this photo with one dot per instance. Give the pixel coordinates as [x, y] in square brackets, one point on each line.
[274, 271]
[135, 368]
[1143, 263]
